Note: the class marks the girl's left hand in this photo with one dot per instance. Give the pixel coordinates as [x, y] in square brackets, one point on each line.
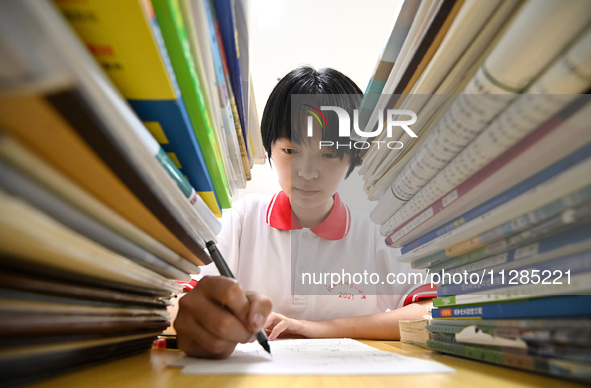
[280, 325]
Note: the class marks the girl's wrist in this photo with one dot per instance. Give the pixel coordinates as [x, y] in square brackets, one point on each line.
[314, 329]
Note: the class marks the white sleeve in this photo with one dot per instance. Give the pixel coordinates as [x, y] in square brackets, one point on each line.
[230, 234]
[402, 281]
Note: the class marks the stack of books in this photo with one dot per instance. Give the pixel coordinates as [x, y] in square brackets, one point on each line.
[183, 67]
[97, 221]
[493, 198]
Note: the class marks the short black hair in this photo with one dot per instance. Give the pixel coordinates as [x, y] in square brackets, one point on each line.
[277, 120]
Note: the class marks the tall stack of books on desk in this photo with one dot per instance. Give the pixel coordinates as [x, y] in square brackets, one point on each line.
[97, 222]
[493, 198]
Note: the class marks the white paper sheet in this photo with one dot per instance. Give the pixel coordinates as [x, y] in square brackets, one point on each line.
[311, 357]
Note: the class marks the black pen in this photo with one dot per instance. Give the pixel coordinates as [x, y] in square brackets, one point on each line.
[221, 265]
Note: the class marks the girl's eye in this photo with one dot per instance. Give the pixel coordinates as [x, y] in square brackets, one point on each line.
[330, 155]
[289, 151]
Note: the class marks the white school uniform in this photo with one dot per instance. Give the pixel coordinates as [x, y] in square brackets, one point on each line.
[268, 251]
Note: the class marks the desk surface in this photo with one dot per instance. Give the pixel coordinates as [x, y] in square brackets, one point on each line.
[149, 370]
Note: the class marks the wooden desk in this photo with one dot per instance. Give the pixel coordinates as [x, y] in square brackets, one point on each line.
[148, 370]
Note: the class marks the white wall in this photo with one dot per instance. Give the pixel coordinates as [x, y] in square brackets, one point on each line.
[347, 35]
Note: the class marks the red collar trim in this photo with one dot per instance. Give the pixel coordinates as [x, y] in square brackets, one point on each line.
[334, 227]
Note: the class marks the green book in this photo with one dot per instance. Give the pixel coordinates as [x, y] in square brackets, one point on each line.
[169, 18]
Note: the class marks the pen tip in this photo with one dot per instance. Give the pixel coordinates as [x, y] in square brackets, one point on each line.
[265, 345]
[262, 339]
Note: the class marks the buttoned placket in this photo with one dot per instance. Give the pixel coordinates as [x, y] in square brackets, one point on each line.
[303, 254]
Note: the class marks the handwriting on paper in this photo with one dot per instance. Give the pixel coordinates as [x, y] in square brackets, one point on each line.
[312, 357]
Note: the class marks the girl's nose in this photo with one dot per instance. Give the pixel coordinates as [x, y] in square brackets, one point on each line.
[307, 169]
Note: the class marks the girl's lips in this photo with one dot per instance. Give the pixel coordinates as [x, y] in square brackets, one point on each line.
[306, 192]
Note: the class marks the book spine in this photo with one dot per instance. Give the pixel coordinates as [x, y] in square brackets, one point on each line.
[227, 26]
[175, 38]
[222, 76]
[196, 27]
[547, 249]
[561, 185]
[434, 328]
[482, 99]
[558, 306]
[567, 162]
[521, 223]
[244, 149]
[557, 224]
[24, 187]
[514, 326]
[20, 156]
[386, 61]
[552, 284]
[503, 133]
[473, 182]
[493, 279]
[31, 235]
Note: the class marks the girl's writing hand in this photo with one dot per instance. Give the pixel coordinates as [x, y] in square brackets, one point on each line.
[216, 315]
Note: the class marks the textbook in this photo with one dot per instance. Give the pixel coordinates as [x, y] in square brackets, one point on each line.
[23, 158]
[383, 67]
[551, 283]
[41, 283]
[481, 101]
[139, 66]
[572, 264]
[175, 37]
[466, 30]
[203, 67]
[519, 332]
[33, 237]
[242, 139]
[474, 337]
[503, 133]
[488, 23]
[530, 254]
[564, 369]
[432, 22]
[226, 16]
[567, 182]
[413, 332]
[555, 331]
[22, 186]
[485, 188]
[93, 217]
[547, 307]
[554, 239]
[25, 364]
[201, 31]
[529, 221]
[83, 97]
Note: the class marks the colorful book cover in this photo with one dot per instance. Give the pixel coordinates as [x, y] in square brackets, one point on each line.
[125, 39]
[177, 44]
